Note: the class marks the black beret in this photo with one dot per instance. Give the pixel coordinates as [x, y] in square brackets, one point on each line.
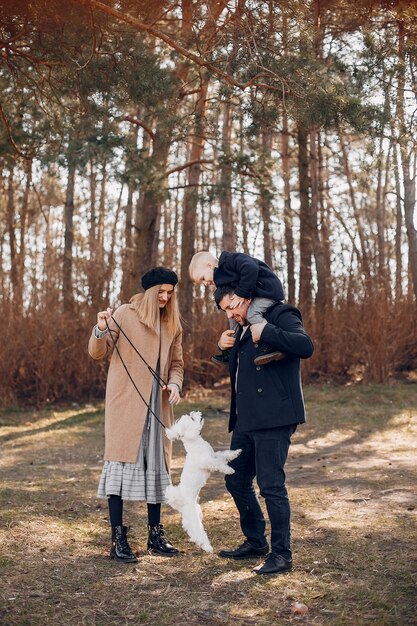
[159, 276]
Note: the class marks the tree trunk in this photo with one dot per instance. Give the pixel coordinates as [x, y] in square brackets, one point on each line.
[126, 287]
[23, 228]
[190, 207]
[286, 173]
[408, 167]
[306, 245]
[92, 237]
[380, 212]
[364, 253]
[243, 207]
[409, 178]
[398, 227]
[11, 227]
[288, 221]
[67, 286]
[321, 295]
[226, 208]
[266, 190]
[149, 205]
[110, 264]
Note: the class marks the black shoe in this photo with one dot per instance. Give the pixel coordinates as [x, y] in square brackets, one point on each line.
[245, 551]
[220, 359]
[158, 543]
[120, 548]
[274, 564]
[263, 359]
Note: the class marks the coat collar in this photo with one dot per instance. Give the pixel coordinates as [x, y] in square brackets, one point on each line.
[223, 257]
[245, 336]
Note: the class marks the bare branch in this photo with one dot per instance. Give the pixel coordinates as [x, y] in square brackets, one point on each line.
[146, 128]
[10, 136]
[188, 164]
[172, 44]
[93, 45]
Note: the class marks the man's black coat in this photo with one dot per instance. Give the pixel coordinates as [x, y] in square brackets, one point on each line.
[269, 396]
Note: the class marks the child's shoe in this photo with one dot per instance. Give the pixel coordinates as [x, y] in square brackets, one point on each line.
[221, 359]
[267, 357]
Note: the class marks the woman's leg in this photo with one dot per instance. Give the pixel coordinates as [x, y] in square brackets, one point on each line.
[154, 514]
[115, 510]
[158, 542]
[120, 548]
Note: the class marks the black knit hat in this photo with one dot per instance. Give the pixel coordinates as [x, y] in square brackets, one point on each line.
[159, 276]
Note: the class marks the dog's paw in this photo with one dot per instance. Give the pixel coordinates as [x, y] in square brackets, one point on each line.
[229, 470]
[233, 454]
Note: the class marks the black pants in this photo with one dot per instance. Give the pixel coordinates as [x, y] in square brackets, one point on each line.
[264, 453]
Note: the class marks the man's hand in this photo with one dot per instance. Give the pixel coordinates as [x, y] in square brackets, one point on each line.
[236, 301]
[256, 330]
[227, 340]
[102, 316]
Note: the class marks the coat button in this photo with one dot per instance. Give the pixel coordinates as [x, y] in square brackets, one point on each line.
[259, 390]
[255, 345]
[258, 368]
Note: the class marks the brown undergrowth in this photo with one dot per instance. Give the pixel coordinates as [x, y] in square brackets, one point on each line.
[351, 477]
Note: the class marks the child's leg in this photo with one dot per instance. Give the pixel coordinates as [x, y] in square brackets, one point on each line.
[257, 308]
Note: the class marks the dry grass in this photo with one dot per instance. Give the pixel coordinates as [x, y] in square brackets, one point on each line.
[352, 480]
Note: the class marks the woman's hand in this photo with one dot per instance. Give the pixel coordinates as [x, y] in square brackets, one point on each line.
[174, 394]
[102, 316]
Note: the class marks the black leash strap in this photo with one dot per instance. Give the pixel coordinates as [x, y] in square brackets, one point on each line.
[157, 377]
[128, 373]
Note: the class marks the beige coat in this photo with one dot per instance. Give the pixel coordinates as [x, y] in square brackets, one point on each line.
[125, 411]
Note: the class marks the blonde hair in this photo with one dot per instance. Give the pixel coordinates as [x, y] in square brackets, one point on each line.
[200, 260]
[148, 310]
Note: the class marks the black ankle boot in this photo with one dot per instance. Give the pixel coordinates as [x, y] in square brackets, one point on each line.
[158, 542]
[120, 548]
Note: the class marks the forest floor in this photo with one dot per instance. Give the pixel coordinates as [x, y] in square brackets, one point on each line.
[352, 479]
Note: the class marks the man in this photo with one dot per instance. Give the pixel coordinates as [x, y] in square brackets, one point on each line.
[266, 406]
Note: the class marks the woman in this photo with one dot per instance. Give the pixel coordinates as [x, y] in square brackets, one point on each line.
[137, 452]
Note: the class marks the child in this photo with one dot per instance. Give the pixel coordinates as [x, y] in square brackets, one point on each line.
[250, 278]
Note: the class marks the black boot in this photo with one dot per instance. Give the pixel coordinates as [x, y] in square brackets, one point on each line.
[120, 548]
[158, 542]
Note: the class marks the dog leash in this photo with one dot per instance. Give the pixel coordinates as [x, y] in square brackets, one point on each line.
[155, 374]
[152, 371]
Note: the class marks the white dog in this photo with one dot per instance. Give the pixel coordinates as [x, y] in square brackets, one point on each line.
[200, 460]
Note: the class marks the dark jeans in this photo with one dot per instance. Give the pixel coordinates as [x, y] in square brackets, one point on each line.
[263, 455]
